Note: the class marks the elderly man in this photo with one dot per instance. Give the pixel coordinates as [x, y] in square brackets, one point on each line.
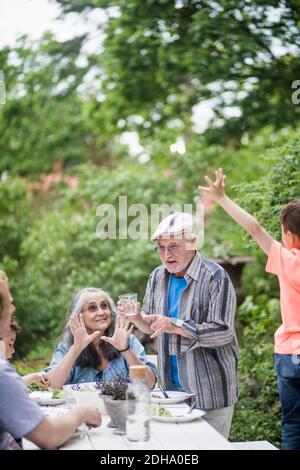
[190, 306]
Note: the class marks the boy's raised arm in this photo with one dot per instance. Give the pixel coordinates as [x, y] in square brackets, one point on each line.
[216, 190]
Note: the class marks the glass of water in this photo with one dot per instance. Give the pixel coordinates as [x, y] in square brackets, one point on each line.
[129, 303]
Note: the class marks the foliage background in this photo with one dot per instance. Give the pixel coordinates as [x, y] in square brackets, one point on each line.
[157, 62]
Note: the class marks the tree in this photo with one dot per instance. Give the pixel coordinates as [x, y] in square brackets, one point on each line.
[162, 57]
[44, 116]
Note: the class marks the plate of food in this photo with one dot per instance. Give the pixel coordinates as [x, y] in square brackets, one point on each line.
[50, 397]
[175, 414]
[174, 396]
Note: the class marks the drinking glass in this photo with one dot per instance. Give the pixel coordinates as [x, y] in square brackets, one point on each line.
[129, 303]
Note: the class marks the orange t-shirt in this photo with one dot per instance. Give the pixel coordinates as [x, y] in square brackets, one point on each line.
[286, 265]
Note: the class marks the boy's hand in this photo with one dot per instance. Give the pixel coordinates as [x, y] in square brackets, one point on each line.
[215, 189]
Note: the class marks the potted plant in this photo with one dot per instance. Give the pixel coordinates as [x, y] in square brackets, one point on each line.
[114, 395]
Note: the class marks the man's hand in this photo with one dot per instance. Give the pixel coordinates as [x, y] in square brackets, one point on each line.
[132, 318]
[161, 324]
[215, 189]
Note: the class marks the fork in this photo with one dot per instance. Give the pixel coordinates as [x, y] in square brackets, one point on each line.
[192, 406]
[164, 392]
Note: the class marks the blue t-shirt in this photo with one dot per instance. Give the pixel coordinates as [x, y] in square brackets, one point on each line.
[115, 368]
[176, 287]
[19, 414]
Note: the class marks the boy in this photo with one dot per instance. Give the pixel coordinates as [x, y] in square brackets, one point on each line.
[284, 261]
[40, 378]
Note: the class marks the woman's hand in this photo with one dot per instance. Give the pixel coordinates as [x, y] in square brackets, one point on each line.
[215, 189]
[120, 338]
[43, 379]
[81, 337]
[40, 378]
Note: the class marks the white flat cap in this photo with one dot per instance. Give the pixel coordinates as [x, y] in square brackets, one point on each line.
[177, 223]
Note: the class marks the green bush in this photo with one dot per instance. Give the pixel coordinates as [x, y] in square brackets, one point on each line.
[15, 216]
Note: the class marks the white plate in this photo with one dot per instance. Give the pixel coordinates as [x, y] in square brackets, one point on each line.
[45, 398]
[180, 416]
[174, 396]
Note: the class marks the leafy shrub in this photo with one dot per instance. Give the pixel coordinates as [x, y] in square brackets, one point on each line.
[15, 216]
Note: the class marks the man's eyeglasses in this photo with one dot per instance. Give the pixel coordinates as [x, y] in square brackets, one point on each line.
[95, 306]
[172, 249]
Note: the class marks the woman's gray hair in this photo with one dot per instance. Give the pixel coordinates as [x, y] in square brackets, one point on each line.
[89, 356]
[75, 308]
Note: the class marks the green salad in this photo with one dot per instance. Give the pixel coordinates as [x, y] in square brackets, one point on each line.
[57, 393]
[158, 410]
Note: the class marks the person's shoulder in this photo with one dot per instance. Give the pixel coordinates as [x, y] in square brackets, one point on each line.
[157, 270]
[296, 253]
[62, 346]
[8, 374]
[156, 274]
[278, 250]
[212, 268]
[6, 368]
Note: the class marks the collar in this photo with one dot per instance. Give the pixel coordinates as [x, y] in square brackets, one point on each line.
[193, 269]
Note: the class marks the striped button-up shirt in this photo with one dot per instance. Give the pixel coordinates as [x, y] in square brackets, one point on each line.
[207, 363]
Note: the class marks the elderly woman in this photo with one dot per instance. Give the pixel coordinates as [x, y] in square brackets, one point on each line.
[96, 344]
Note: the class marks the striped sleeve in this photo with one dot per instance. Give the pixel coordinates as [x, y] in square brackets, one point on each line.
[218, 329]
[148, 303]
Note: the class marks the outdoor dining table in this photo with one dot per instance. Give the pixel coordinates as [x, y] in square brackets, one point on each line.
[192, 435]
